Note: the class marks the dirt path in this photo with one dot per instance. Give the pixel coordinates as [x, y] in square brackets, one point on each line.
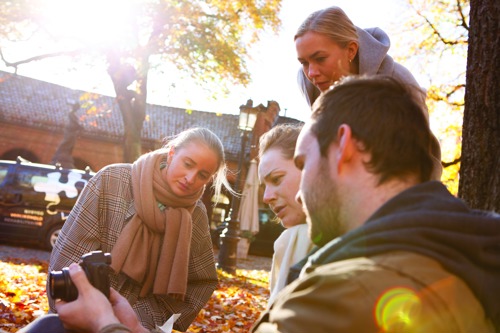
[26, 252]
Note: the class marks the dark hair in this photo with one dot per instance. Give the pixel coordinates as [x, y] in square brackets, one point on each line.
[283, 137]
[385, 117]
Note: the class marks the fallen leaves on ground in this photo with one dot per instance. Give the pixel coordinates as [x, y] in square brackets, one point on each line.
[22, 292]
[236, 303]
[234, 306]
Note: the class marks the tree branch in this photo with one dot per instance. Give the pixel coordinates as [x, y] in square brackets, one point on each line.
[455, 161]
[36, 58]
[460, 11]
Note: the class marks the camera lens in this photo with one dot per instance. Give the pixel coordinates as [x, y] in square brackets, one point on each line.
[61, 285]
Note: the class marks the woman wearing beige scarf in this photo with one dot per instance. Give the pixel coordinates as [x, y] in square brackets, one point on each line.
[149, 216]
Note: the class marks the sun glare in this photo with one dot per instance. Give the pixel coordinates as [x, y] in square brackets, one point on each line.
[92, 22]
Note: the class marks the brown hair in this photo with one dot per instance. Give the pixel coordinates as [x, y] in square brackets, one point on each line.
[284, 137]
[384, 117]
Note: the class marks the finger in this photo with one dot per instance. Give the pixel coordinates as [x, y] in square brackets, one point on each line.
[114, 296]
[78, 277]
[58, 303]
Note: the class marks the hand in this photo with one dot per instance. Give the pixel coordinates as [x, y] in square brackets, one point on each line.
[91, 311]
[124, 312]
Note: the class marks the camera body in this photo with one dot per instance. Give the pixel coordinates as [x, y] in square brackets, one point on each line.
[95, 264]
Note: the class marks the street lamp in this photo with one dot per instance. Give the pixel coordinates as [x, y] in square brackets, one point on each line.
[230, 235]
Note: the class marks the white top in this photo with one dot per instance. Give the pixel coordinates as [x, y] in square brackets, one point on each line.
[289, 248]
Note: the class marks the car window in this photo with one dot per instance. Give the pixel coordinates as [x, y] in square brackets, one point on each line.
[3, 172]
[26, 177]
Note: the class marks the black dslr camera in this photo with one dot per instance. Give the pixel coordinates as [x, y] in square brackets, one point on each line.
[95, 264]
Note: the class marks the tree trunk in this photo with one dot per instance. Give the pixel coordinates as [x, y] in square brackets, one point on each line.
[132, 103]
[64, 153]
[480, 168]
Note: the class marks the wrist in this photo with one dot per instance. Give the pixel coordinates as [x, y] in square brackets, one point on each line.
[140, 329]
[114, 328]
[108, 324]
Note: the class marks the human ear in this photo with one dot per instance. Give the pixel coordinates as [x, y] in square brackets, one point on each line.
[344, 147]
[352, 50]
[171, 153]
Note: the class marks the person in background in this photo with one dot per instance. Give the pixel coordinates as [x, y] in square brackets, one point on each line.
[398, 252]
[329, 46]
[281, 180]
[149, 216]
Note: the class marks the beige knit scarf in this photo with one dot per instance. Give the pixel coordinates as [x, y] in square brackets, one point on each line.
[154, 247]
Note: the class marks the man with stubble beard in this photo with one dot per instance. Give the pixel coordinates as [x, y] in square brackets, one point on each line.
[399, 253]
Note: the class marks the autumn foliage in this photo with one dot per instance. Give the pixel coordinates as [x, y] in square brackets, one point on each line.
[234, 306]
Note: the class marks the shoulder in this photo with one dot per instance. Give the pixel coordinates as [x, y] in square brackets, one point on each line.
[408, 268]
[200, 210]
[379, 281]
[115, 169]
[200, 216]
[114, 173]
[113, 182]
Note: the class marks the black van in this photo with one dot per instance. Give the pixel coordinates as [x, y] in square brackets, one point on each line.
[35, 200]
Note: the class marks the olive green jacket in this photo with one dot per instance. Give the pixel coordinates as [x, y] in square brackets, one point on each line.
[397, 291]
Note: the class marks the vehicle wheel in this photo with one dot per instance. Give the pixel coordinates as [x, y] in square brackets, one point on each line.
[51, 237]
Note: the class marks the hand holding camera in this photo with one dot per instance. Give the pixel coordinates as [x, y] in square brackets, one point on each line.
[95, 264]
[82, 307]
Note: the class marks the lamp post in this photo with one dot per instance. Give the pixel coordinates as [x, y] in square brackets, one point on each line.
[230, 235]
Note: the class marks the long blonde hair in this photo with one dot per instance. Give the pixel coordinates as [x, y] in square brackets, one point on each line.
[332, 22]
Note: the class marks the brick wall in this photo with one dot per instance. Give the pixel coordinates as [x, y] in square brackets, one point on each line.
[42, 144]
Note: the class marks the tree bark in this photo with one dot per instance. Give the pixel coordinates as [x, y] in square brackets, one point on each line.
[480, 168]
[132, 103]
[64, 153]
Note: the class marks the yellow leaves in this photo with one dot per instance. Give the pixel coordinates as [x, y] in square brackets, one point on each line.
[234, 306]
[94, 108]
[236, 303]
[22, 293]
[211, 40]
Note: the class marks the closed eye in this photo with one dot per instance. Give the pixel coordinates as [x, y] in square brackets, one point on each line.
[204, 176]
[276, 180]
[320, 60]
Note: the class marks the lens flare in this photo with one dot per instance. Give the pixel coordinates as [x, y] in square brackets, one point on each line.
[397, 309]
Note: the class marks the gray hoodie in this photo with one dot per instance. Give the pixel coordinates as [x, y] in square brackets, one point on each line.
[373, 59]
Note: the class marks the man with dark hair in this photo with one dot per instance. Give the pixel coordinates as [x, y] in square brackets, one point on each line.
[399, 253]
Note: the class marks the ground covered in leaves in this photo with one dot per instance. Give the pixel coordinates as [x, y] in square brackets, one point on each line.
[234, 307]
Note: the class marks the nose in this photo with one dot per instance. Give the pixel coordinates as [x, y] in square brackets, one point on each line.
[269, 195]
[190, 177]
[312, 71]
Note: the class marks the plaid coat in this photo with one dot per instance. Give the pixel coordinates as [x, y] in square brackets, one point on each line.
[96, 221]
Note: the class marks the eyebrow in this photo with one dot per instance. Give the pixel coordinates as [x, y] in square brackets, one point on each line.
[268, 175]
[315, 54]
[189, 159]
